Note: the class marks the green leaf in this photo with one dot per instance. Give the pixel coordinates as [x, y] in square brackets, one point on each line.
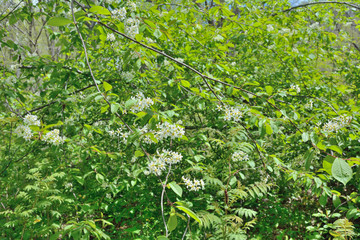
[185, 83]
[323, 199]
[104, 108]
[141, 114]
[341, 171]
[336, 201]
[336, 149]
[269, 90]
[308, 157]
[172, 222]
[327, 163]
[190, 213]
[139, 153]
[129, 103]
[79, 179]
[162, 238]
[58, 21]
[314, 138]
[150, 23]
[114, 107]
[157, 33]
[176, 188]
[305, 136]
[99, 178]
[99, 10]
[59, 123]
[352, 213]
[269, 130]
[107, 86]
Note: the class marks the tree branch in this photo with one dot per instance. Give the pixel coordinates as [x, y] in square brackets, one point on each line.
[11, 10]
[322, 2]
[204, 77]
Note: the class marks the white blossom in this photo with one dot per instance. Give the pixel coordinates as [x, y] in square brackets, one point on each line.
[149, 40]
[240, 156]
[218, 38]
[24, 131]
[194, 185]
[232, 114]
[110, 37]
[166, 157]
[128, 75]
[120, 13]
[53, 137]
[131, 6]
[337, 123]
[309, 105]
[132, 27]
[166, 130]
[269, 28]
[179, 60]
[31, 120]
[295, 87]
[141, 102]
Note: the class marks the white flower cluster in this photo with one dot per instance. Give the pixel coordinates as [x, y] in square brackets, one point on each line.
[68, 185]
[131, 24]
[295, 87]
[149, 40]
[218, 38]
[240, 156]
[123, 136]
[269, 28]
[284, 30]
[141, 103]
[167, 129]
[179, 60]
[132, 27]
[31, 120]
[53, 137]
[110, 37]
[24, 130]
[120, 13]
[309, 105]
[337, 123]
[10, 80]
[232, 113]
[315, 25]
[162, 131]
[131, 6]
[157, 165]
[193, 185]
[128, 75]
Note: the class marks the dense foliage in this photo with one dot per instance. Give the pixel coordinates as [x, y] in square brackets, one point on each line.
[179, 119]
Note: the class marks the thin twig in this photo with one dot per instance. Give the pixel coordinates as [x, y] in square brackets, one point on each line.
[93, 77]
[11, 11]
[9, 163]
[187, 226]
[162, 200]
[322, 2]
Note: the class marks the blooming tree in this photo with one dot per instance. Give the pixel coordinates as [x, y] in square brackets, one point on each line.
[179, 120]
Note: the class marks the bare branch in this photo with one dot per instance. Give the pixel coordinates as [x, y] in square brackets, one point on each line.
[322, 2]
[11, 10]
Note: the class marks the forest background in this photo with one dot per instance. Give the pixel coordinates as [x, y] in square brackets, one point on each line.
[179, 119]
